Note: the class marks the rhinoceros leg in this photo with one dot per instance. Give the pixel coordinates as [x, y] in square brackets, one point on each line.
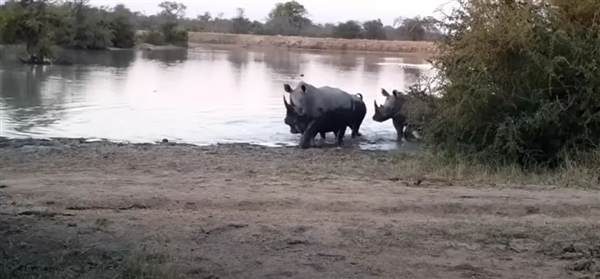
[355, 130]
[399, 126]
[309, 134]
[355, 127]
[340, 136]
[322, 135]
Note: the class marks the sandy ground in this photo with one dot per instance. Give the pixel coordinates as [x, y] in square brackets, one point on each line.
[77, 210]
[296, 42]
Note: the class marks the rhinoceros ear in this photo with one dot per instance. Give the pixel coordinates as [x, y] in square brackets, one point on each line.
[396, 93]
[303, 87]
[384, 93]
[287, 88]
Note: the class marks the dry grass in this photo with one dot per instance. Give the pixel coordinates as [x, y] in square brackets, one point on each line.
[137, 265]
[395, 167]
[144, 265]
[294, 42]
[574, 174]
[43, 248]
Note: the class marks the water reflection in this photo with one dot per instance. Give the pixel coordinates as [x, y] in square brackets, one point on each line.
[213, 95]
[283, 62]
[168, 57]
[344, 61]
[238, 57]
[412, 75]
[22, 96]
[116, 58]
[121, 58]
[371, 63]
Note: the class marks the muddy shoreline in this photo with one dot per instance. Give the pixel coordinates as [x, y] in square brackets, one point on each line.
[65, 144]
[76, 209]
[60, 142]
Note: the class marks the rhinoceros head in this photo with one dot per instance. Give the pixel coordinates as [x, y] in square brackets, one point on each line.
[391, 107]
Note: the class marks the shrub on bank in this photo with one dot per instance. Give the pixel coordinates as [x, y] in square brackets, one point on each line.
[520, 82]
[177, 36]
[123, 32]
[153, 37]
[76, 25]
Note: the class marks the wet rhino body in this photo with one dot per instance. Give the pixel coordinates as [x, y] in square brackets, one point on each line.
[318, 110]
[299, 123]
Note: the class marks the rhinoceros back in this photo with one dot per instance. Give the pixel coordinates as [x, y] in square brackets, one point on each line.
[317, 101]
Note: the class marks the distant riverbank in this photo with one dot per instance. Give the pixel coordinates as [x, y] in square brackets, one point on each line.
[417, 47]
[421, 48]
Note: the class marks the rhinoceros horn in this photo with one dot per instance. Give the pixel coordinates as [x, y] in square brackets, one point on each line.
[377, 108]
[287, 106]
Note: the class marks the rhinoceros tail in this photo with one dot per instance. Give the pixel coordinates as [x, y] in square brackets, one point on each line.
[359, 95]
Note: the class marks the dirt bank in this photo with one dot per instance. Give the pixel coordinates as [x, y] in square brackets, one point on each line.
[73, 209]
[423, 48]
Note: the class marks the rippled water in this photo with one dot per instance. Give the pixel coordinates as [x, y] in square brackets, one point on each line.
[201, 96]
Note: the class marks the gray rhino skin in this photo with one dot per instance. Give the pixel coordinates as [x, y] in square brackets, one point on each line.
[324, 108]
[393, 108]
[298, 124]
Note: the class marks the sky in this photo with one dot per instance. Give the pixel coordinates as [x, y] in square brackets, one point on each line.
[321, 11]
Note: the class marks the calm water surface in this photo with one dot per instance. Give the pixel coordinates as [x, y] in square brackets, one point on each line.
[199, 96]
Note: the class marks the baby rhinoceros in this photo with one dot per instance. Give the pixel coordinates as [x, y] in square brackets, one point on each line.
[394, 108]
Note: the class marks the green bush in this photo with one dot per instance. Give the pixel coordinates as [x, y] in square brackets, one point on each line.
[520, 82]
[82, 27]
[123, 32]
[153, 37]
[7, 15]
[178, 37]
[374, 30]
[348, 30]
[175, 36]
[76, 25]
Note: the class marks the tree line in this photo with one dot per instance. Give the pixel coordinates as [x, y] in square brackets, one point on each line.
[76, 24]
[291, 19]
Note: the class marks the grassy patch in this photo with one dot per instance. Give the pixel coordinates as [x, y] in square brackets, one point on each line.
[91, 263]
[144, 265]
[575, 173]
